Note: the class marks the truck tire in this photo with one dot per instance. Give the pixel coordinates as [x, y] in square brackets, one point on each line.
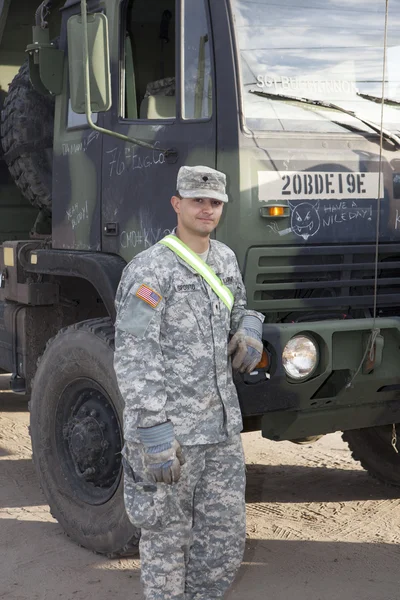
[76, 431]
[27, 138]
[372, 448]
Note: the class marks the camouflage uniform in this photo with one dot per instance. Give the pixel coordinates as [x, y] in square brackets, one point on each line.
[171, 363]
[193, 532]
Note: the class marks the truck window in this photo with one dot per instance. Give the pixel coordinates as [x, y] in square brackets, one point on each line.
[148, 76]
[196, 53]
[329, 51]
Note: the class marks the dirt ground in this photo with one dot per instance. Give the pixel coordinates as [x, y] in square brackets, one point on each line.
[319, 528]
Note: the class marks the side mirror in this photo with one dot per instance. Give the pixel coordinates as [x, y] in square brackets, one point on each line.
[98, 59]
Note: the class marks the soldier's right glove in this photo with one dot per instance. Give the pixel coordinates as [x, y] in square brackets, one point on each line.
[246, 345]
[162, 453]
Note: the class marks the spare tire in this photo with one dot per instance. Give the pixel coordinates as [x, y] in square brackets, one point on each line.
[27, 138]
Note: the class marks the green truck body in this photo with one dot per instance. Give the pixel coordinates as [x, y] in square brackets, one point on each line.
[287, 101]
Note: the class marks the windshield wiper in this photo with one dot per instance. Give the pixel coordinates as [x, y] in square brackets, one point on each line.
[374, 126]
[378, 100]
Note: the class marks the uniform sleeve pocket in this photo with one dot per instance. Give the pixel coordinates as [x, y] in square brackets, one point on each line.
[136, 316]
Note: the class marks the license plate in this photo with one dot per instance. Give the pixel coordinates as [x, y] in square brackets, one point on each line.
[317, 185]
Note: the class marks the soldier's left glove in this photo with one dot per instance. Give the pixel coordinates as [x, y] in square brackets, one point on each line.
[246, 345]
[162, 452]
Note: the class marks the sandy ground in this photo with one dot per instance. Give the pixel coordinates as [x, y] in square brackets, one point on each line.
[319, 528]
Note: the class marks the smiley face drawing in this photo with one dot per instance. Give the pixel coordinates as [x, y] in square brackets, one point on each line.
[305, 220]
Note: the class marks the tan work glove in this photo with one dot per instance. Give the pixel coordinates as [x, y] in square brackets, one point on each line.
[246, 345]
[162, 453]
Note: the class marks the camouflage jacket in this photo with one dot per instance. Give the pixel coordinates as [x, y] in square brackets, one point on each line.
[171, 341]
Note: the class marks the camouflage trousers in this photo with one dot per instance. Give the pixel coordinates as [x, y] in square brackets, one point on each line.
[192, 532]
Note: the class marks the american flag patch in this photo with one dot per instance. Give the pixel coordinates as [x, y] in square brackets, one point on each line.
[148, 295]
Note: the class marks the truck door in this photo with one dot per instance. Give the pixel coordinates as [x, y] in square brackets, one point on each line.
[163, 85]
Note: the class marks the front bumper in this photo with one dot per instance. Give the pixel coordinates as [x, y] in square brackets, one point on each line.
[325, 402]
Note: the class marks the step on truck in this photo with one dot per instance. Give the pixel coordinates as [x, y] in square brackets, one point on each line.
[101, 103]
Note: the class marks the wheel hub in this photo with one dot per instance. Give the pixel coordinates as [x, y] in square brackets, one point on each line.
[86, 445]
[92, 439]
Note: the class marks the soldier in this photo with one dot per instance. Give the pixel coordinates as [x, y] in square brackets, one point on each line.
[177, 304]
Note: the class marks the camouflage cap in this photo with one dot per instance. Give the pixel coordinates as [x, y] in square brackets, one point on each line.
[201, 182]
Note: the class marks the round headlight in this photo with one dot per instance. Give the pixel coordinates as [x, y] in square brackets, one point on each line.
[300, 357]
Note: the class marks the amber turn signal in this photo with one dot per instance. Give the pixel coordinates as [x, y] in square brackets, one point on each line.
[264, 362]
[276, 211]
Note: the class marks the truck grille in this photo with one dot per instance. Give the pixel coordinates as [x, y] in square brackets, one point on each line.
[289, 278]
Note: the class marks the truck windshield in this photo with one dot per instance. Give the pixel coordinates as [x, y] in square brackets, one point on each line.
[327, 50]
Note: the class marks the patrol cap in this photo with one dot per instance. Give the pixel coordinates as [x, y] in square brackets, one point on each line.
[201, 182]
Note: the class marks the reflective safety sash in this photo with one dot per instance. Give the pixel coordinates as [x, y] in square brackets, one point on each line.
[194, 260]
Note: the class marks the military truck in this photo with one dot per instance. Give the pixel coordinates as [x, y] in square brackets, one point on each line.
[299, 106]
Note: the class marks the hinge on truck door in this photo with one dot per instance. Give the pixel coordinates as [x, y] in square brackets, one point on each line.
[46, 63]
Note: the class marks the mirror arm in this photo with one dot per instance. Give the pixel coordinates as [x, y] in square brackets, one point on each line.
[42, 12]
[120, 136]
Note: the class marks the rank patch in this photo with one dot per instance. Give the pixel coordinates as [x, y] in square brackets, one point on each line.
[148, 295]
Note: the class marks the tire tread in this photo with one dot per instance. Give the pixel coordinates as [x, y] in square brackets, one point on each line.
[347, 437]
[103, 329]
[28, 117]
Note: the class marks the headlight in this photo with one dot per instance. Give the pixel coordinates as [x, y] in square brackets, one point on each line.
[300, 357]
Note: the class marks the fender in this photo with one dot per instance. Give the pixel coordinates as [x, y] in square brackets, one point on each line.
[102, 270]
